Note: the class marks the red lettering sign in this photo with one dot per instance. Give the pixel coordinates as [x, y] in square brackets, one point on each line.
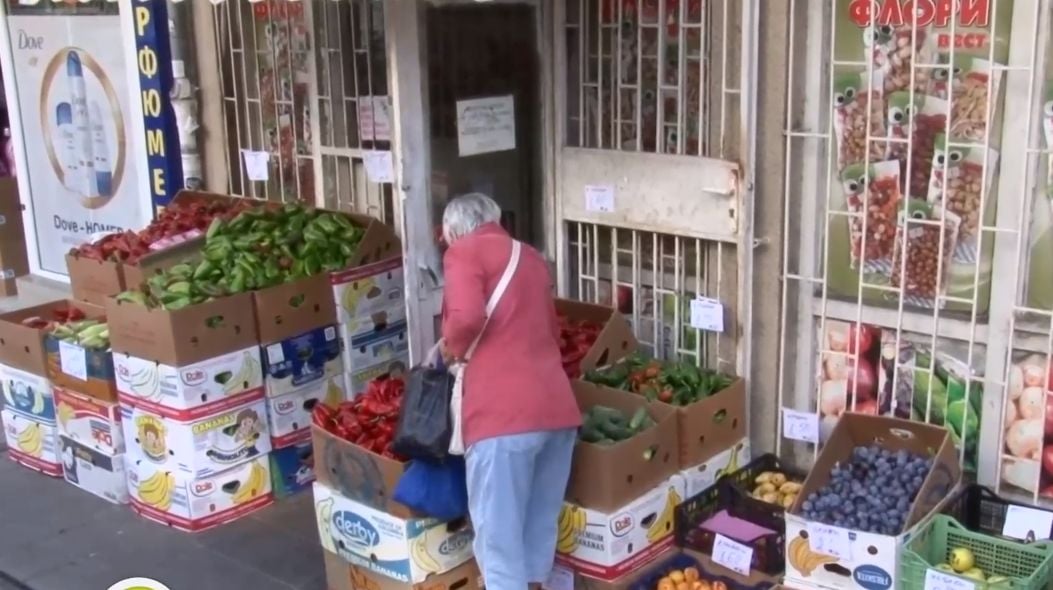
[898, 13]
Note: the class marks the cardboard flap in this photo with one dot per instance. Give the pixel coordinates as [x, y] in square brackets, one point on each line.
[290, 309]
[713, 424]
[378, 243]
[190, 197]
[615, 340]
[357, 473]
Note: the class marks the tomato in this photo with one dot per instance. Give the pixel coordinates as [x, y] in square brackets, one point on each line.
[666, 395]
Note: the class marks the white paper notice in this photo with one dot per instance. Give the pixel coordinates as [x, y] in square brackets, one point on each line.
[379, 167]
[707, 314]
[73, 360]
[599, 198]
[937, 580]
[802, 426]
[256, 165]
[1027, 524]
[374, 120]
[732, 555]
[486, 125]
[560, 578]
[830, 540]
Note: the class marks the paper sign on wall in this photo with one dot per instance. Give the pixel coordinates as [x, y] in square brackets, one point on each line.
[256, 165]
[1027, 524]
[802, 426]
[707, 314]
[599, 198]
[374, 121]
[379, 166]
[486, 125]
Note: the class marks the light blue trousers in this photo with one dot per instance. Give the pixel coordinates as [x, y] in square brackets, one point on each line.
[516, 485]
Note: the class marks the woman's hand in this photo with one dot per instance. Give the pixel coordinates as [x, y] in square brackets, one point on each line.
[447, 357]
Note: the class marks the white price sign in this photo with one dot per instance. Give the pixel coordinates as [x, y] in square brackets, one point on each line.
[830, 540]
[707, 314]
[802, 426]
[256, 165]
[937, 580]
[73, 360]
[733, 555]
[599, 198]
[379, 166]
[1027, 524]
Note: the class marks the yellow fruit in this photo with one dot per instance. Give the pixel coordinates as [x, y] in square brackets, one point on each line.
[790, 487]
[677, 576]
[778, 479]
[691, 574]
[683, 586]
[666, 584]
[770, 497]
[945, 567]
[788, 500]
[764, 477]
[962, 559]
[765, 488]
[975, 573]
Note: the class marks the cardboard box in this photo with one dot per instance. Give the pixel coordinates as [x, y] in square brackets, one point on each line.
[407, 550]
[289, 416]
[101, 474]
[89, 422]
[376, 348]
[341, 575]
[32, 444]
[292, 469]
[369, 298]
[616, 339]
[14, 261]
[93, 281]
[292, 308]
[21, 346]
[85, 370]
[200, 447]
[308, 359]
[609, 545]
[195, 504]
[192, 390]
[28, 394]
[607, 477]
[873, 559]
[356, 473]
[710, 570]
[184, 336]
[564, 578]
[358, 381]
[712, 425]
[699, 478]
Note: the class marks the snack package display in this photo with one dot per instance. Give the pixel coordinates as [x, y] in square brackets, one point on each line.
[922, 275]
[969, 83]
[1027, 459]
[959, 171]
[874, 195]
[919, 118]
[895, 49]
[857, 95]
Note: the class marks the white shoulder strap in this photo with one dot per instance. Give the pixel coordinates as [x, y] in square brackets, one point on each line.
[499, 291]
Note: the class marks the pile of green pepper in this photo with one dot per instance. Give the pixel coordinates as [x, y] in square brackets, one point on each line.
[605, 426]
[673, 382]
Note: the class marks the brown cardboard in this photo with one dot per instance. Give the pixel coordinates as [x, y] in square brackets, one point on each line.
[182, 336]
[23, 347]
[290, 309]
[854, 430]
[14, 261]
[94, 280]
[711, 571]
[341, 575]
[606, 478]
[626, 582]
[711, 425]
[190, 197]
[378, 243]
[356, 473]
[616, 339]
[156, 262]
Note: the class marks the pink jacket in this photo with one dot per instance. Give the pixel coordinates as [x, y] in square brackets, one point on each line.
[514, 382]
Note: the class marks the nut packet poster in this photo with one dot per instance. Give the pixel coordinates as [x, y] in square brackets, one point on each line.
[910, 220]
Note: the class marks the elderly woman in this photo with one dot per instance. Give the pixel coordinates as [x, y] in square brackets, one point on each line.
[519, 416]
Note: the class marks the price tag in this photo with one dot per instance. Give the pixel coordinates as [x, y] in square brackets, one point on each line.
[830, 540]
[707, 314]
[802, 426]
[1027, 524]
[937, 580]
[73, 360]
[560, 578]
[732, 555]
[379, 167]
[256, 165]
[599, 198]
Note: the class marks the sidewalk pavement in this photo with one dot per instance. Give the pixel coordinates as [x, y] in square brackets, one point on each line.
[54, 536]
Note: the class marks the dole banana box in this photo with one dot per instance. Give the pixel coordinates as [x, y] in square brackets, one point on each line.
[407, 550]
[289, 416]
[292, 469]
[374, 355]
[699, 478]
[606, 546]
[27, 394]
[196, 503]
[199, 447]
[99, 473]
[89, 422]
[194, 390]
[309, 360]
[370, 297]
[32, 444]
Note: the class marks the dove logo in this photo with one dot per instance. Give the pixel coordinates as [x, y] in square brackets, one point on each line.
[355, 529]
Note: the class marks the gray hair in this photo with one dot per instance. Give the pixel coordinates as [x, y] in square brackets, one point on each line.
[464, 214]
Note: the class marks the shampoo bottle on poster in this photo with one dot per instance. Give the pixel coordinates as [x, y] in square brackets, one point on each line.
[81, 124]
[101, 151]
[67, 154]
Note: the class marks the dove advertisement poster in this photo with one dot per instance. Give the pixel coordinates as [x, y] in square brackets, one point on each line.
[75, 109]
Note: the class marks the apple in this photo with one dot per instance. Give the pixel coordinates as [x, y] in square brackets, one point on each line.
[860, 339]
[962, 559]
[862, 380]
[945, 567]
[975, 574]
[1034, 377]
[625, 299]
[1047, 459]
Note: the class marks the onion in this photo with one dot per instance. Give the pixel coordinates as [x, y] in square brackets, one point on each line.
[1022, 474]
[1011, 415]
[837, 340]
[860, 339]
[1024, 439]
[1032, 403]
[1034, 376]
[865, 380]
[1016, 381]
[833, 396]
[835, 366]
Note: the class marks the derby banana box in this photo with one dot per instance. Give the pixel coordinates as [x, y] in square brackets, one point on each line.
[194, 504]
[94, 472]
[27, 394]
[607, 546]
[89, 422]
[309, 360]
[198, 447]
[407, 550]
[292, 469]
[341, 575]
[32, 444]
[699, 478]
[194, 389]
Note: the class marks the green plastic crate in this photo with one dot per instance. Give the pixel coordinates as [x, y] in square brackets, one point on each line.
[1029, 567]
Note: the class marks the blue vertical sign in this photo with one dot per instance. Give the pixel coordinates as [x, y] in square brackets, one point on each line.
[154, 63]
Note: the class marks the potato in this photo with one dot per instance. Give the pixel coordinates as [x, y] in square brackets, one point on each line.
[788, 500]
[778, 479]
[764, 488]
[790, 487]
[763, 477]
[677, 576]
[691, 574]
[771, 498]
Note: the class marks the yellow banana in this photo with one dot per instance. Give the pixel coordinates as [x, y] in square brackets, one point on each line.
[421, 558]
[571, 524]
[31, 440]
[733, 462]
[65, 413]
[663, 525]
[324, 512]
[252, 487]
[156, 490]
[803, 559]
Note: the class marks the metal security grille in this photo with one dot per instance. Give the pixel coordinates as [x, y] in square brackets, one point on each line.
[917, 223]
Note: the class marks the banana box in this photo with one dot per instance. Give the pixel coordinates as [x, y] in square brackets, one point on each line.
[193, 390]
[289, 416]
[607, 546]
[341, 575]
[194, 504]
[407, 550]
[702, 477]
[27, 394]
[369, 298]
[99, 473]
[292, 469]
[311, 359]
[87, 370]
[199, 447]
[377, 348]
[90, 422]
[32, 444]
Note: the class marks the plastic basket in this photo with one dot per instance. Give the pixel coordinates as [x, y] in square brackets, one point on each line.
[980, 509]
[740, 484]
[1029, 567]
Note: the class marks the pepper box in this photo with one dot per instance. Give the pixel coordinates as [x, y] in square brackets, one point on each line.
[195, 504]
[99, 473]
[405, 549]
[369, 298]
[28, 394]
[705, 475]
[89, 422]
[309, 359]
[22, 332]
[200, 447]
[32, 444]
[376, 354]
[87, 370]
[192, 390]
[357, 473]
[613, 338]
[288, 309]
[292, 469]
[712, 425]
